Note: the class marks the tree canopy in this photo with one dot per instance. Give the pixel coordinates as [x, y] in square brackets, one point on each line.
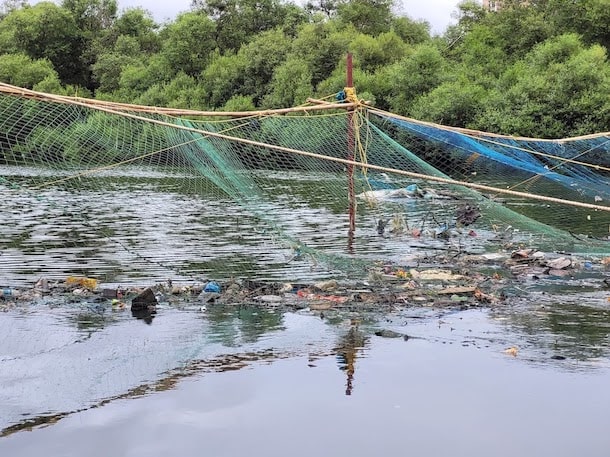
[537, 70]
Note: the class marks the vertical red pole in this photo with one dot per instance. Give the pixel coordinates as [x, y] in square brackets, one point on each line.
[350, 156]
[350, 81]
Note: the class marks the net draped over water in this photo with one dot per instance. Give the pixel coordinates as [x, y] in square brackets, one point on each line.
[130, 193]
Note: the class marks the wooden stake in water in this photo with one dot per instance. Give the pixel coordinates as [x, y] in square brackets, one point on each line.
[350, 157]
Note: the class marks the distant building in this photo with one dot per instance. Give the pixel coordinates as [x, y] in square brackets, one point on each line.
[496, 5]
[492, 5]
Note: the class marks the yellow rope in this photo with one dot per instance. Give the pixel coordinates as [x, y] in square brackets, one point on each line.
[350, 95]
[339, 113]
[358, 121]
[363, 150]
[120, 107]
[478, 133]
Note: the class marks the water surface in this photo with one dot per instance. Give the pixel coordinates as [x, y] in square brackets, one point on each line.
[231, 381]
[79, 378]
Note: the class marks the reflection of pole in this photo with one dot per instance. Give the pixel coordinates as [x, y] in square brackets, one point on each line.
[351, 369]
[350, 156]
[347, 353]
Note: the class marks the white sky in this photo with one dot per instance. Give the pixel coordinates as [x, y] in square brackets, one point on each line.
[436, 12]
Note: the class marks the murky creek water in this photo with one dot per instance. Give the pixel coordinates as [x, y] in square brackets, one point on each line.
[148, 226]
[231, 381]
[236, 380]
[135, 226]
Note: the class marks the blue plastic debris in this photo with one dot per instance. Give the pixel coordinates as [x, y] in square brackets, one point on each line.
[212, 287]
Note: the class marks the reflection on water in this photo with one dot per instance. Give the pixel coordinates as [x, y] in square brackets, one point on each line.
[234, 326]
[168, 381]
[93, 371]
[145, 315]
[68, 370]
[576, 328]
[448, 390]
[61, 360]
[347, 354]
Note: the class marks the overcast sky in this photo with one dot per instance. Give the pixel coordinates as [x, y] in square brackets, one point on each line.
[436, 12]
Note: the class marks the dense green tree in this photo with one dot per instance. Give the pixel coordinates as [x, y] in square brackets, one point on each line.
[519, 29]
[293, 18]
[367, 16]
[559, 89]
[107, 69]
[322, 46]
[92, 18]
[481, 54]
[414, 76]
[223, 78]
[182, 91]
[589, 18]
[136, 78]
[139, 24]
[128, 46]
[380, 86]
[129, 41]
[237, 21]
[468, 14]
[410, 31]
[456, 103]
[92, 15]
[46, 31]
[372, 53]
[52, 85]
[262, 56]
[239, 103]
[23, 71]
[290, 85]
[188, 43]
[538, 69]
[393, 48]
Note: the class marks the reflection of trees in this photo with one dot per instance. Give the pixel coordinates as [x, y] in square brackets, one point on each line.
[347, 353]
[88, 322]
[170, 379]
[236, 325]
[573, 330]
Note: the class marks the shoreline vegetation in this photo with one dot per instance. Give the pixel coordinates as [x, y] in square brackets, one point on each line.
[539, 70]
